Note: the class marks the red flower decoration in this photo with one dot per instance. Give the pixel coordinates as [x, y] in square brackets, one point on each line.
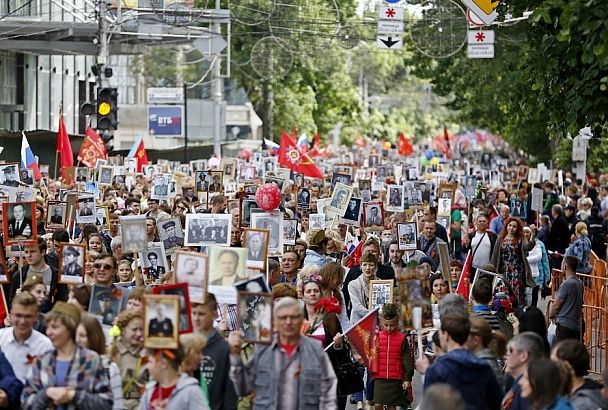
[116, 293]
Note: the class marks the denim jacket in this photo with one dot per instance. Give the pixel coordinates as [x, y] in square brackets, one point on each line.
[581, 250]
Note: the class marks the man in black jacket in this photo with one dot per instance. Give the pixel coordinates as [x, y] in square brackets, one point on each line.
[559, 236]
[598, 228]
[383, 272]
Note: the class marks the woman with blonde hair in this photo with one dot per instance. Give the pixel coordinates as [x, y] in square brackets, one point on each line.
[332, 276]
[126, 352]
[581, 249]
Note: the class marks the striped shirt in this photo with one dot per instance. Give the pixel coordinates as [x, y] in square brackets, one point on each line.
[484, 311]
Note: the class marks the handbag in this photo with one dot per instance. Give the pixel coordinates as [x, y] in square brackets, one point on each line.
[349, 374]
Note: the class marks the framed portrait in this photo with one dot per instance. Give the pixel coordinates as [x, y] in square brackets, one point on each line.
[72, 258]
[86, 213]
[394, 198]
[298, 180]
[233, 204]
[55, 215]
[83, 174]
[133, 233]
[202, 179]
[290, 231]
[161, 321]
[227, 266]
[446, 190]
[270, 164]
[380, 292]
[408, 236]
[316, 221]
[26, 176]
[256, 243]
[189, 194]
[104, 304]
[365, 185]
[352, 216]
[275, 180]
[105, 175]
[92, 187]
[9, 175]
[160, 186]
[171, 234]
[343, 169]
[247, 172]
[191, 268]
[208, 229]
[444, 206]
[154, 263]
[519, 208]
[198, 165]
[19, 223]
[247, 205]
[340, 198]
[373, 214]
[102, 218]
[181, 291]
[44, 169]
[230, 189]
[304, 198]
[216, 182]
[255, 317]
[228, 167]
[345, 179]
[444, 259]
[149, 170]
[414, 197]
[256, 284]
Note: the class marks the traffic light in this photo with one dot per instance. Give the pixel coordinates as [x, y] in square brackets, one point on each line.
[107, 108]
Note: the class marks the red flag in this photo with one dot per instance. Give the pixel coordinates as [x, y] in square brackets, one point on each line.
[64, 148]
[463, 287]
[355, 256]
[404, 146]
[92, 148]
[446, 137]
[316, 146]
[140, 154]
[292, 158]
[363, 338]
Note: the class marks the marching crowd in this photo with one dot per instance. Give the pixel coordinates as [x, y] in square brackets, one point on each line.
[487, 347]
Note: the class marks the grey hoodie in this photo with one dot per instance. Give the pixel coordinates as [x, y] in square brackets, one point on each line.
[187, 395]
[588, 397]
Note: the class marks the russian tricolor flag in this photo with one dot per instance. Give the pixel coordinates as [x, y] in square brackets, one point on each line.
[272, 146]
[28, 160]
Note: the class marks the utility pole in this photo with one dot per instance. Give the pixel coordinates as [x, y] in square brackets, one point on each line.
[104, 51]
[217, 92]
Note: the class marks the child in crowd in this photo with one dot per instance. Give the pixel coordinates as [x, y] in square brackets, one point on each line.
[394, 364]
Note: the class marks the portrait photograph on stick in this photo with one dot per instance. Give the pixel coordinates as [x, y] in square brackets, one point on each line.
[181, 290]
[161, 321]
[407, 234]
[19, 223]
[133, 233]
[256, 243]
[171, 235]
[191, 268]
[56, 215]
[71, 263]
[255, 317]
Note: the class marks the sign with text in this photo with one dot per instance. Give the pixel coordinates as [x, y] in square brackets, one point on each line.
[165, 95]
[480, 51]
[165, 121]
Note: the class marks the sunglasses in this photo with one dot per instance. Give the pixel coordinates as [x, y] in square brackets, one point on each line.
[103, 266]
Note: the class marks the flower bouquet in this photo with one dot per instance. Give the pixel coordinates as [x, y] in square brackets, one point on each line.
[323, 308]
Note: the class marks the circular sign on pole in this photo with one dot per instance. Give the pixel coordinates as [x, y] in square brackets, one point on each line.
[392, 1]
[473, 19]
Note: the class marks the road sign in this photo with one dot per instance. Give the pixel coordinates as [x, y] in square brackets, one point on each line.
[392, 1]
[480, 37]
[390, 27]
[484, 9]
[480, 51]
[165, 95]
[390, 13]
[213, 44]
[392, 42]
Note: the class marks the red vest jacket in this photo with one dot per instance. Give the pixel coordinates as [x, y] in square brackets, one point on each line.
[389, 360]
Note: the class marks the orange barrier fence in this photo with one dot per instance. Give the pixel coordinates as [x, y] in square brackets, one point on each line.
[595, 310]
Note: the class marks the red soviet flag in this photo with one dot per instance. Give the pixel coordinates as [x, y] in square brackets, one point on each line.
[464, 285]
[92, 148]
[363, 338]
[291, 157]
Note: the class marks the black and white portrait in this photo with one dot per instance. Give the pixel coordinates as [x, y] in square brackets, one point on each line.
[216, 183]
[171, 235]
[304, 198]
[154, 263]
[316, 221]
[256, 243]
[133, 233]
[26, 175]
[227, 266]
[160, 187]
[191, 268]
[105, 175]
[381, 292]
[298, 180]
[340, 198]
[247, 206]
[374, 214]
[290, 231]
[394, 198]
[102, 215]
[255, 317]
[56, 215]
[71, 266]
[9, 176]
[161, 321]
[19, 222]
[181, 291]
[273, 221]
[341, 178]
[407, 234]
[208, 229]
[104, 305]
[86, 213]
[353, 212]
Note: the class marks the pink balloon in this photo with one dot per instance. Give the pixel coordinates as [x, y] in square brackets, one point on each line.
[268, 197]
[246, 154]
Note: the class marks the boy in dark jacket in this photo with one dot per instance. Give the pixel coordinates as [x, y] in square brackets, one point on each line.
[461, 369]
[10, 386]
[215, 364]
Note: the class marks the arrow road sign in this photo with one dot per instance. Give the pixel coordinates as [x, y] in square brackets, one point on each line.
[390, 13]
[480, 37]
[484, 9]
[210, 45]
[390, 27]
[392, 42]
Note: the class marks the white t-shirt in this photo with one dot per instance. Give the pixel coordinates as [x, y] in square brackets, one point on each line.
[482, 254]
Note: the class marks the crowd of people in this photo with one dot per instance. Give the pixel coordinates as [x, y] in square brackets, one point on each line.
[483, 249]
